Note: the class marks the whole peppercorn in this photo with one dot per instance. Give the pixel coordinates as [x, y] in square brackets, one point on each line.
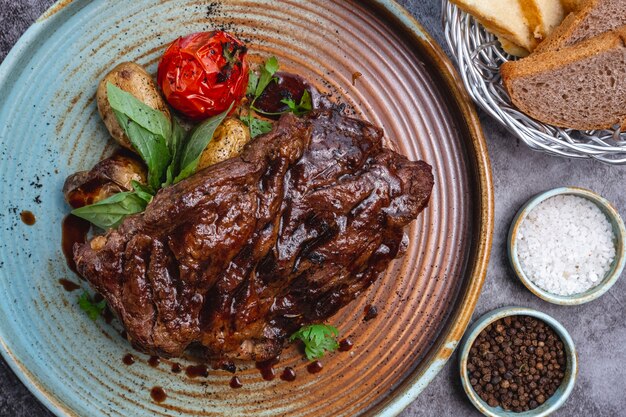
[516, 363]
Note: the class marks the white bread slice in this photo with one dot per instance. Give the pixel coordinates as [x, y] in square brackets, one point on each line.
[512, 49]
[504, 18]
[581, 86]
[593, 18]
[542, 16]
[551, 14]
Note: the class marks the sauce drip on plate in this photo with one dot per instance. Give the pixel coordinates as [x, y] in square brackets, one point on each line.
[176, 368]
[267, 368]
[314, 367]
[289, 374]
[196, 371]
[74, 230]
[345, 345]
[158, 395]
[28, 218]
[235, 383]
[154, 361]
[68, 285]
[370, 312]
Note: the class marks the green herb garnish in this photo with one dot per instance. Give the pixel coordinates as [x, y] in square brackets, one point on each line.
[317, 339]
[305, 105]
[152, 120]
[257, 126]
[256, 85]
[176, 144]
[148, 130]
[253, 82]
[268, 70]
[200, 138]
[89, 306]
[111, 211]
[143, 192]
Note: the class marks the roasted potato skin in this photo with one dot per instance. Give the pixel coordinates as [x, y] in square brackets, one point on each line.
[134, 79]
[228, 141]
[110, 176]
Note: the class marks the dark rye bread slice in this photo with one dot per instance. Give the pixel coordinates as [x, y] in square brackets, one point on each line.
[581, 87]
[593, 18]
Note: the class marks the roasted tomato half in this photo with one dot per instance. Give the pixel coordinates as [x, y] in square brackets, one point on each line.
[202, 74]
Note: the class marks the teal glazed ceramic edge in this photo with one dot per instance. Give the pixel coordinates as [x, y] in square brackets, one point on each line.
[12, 64]
[409, 393]
[556, 400]
[620, 238]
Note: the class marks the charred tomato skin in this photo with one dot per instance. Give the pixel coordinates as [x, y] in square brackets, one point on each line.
[202, 74]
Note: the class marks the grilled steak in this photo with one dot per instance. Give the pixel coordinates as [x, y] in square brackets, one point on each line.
[241, 254]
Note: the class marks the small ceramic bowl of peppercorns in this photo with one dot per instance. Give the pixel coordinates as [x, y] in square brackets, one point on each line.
[517, 362]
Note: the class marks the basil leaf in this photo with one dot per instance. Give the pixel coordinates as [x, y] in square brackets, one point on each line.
[154, 121]
[143, 192]
[110, 212]
[200, 138]
[267, 73]
[257, 126]
[152, 148]
[253, 81]
[176, 143]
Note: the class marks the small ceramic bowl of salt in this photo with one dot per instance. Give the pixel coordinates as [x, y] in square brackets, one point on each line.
[567, 245]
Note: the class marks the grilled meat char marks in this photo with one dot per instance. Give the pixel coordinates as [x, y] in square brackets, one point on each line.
[243, 253]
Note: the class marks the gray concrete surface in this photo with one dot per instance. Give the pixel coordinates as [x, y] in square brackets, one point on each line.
[598, 328]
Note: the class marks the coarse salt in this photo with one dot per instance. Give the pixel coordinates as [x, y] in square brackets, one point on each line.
[566, 245]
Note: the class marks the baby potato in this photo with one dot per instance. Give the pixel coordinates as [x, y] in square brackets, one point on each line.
[134, 79]
[112, 175]
[228, 141]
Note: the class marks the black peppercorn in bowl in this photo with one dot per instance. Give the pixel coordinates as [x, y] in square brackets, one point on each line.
[517, 362]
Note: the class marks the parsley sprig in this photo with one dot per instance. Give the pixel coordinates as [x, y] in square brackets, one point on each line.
[89, 306]
[318, 339]
[256, 86]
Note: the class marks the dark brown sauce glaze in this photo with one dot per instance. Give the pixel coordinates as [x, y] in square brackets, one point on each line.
[74, 230]
[196, 371]
[267, 368]
[289, 374]
[107, 315]
[235, 383]
[314, 367]
[224, 365]
[229, 367]
[68, 285]
[128, 359]
[28, 218]
[158, 395]
[287, 87]
[154, 361]
[370, 312]
[345, 345]
[176, 368]
[108, 177]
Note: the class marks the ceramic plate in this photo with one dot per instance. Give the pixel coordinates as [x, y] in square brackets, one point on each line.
[50, 128]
